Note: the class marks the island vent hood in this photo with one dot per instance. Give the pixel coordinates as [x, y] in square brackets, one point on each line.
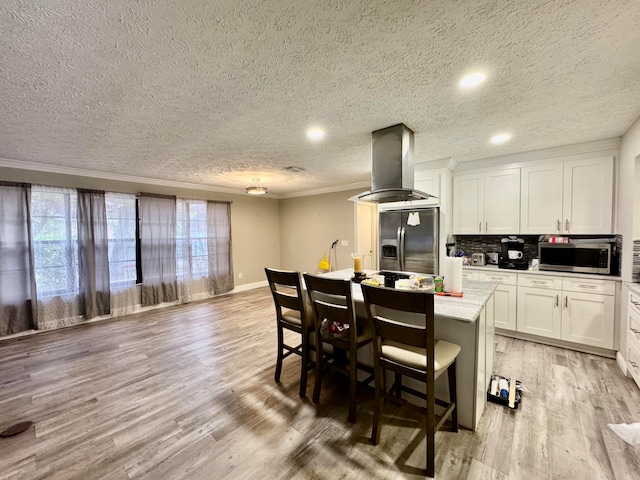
[392, 167]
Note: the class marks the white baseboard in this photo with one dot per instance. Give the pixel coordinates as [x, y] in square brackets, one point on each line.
[249, 286]
[622, 363]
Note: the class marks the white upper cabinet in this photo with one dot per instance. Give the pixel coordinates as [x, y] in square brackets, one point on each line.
[468, 204]
[541, 207]
[487, 203]
[428, 182]
[588, 196]
[574, 197]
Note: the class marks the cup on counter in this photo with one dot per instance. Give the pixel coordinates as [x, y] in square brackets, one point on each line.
[357, 262]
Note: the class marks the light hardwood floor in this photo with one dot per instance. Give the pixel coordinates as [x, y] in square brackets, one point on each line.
[188, 392]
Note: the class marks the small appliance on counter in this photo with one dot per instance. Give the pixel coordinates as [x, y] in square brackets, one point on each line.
[512, 255]
[493, 258]
[477, 259]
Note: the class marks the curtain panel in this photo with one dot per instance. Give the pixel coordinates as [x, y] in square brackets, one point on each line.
[158, 249]
[219, 247]
[17, 282]
[121, 224]
[192, 251]
[55, 243]
[93, 254]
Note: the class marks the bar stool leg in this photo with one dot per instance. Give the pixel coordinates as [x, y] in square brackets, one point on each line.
[279, 360]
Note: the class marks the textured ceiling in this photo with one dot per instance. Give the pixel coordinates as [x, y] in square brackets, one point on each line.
[218, 92]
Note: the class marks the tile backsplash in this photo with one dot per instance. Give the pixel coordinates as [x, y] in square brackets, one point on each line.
[636, 261]
[491, 243]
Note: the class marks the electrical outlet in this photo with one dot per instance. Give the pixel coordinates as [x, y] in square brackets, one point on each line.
[345, 243]
[240, 275]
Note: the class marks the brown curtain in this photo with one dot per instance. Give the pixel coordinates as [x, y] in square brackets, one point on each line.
[93, 254]
[219, 246]
[17, 280]
[158, 249]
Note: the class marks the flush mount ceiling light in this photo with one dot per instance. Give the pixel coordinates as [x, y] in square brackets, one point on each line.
[472, 80]
[315, 134]
[255, 188]
[500, 138]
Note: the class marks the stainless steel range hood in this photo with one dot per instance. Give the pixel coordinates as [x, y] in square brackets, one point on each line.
[392, 167]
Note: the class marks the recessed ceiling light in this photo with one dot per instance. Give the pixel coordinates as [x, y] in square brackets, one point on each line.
[315, 134]
[500, 138]
[472, 80]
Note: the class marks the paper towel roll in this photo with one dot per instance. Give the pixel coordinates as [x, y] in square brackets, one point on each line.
[453, 274]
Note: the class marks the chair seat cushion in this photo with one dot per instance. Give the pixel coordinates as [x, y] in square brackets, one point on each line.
[293, 316]
[444, 352]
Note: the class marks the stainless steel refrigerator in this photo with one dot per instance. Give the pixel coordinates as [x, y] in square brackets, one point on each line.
[409, 240]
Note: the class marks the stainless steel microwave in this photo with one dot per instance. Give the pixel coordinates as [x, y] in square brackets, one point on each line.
[576, 257]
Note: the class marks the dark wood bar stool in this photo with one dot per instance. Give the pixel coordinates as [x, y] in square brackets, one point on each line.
[293, 313]
[412, 350]
[332, 302]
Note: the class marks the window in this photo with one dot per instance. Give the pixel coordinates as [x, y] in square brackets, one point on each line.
[55, 240]
[191, 239]
[121, 222]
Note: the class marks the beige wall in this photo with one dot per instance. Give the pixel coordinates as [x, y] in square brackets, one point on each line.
[255, 221]
[308, 226]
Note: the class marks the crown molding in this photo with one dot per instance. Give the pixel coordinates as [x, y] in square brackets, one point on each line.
[333, 189]
[449, 163]
[545, 154]
[81, 172]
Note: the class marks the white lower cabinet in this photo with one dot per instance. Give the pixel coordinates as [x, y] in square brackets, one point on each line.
[567, 309]
[505, 297]
[588, 318]
[470, 275]
[633, 337]
[539, 312]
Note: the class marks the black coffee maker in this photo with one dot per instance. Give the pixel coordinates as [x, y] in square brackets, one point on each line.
[512, 255]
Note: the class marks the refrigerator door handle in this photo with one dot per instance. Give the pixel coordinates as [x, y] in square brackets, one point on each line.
[401, 246]
[399, 251]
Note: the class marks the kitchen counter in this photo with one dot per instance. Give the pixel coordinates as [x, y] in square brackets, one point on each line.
[466, 308]
[495, 268]
[467, 321]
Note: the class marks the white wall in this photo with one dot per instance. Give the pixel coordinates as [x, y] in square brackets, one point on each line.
[628, 217]
[629, 195]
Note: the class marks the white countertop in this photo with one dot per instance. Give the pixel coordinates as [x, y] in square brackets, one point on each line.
[495, 268]
[465, 309]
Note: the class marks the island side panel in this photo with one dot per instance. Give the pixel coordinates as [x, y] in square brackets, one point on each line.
[464, 334]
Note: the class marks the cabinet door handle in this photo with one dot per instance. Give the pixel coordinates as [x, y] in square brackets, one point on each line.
[633, 364]
[486, 227]
[566, 225]
[635, 303]
[635, 331]
[538, 282]
[479, 227]
[559, 231]
[582, 285]
[557, 301]
[566, 302]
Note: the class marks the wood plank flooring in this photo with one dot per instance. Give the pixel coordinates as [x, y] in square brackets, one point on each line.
[187, 392]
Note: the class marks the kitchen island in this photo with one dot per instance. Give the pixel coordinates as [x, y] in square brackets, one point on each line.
[467, 321]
